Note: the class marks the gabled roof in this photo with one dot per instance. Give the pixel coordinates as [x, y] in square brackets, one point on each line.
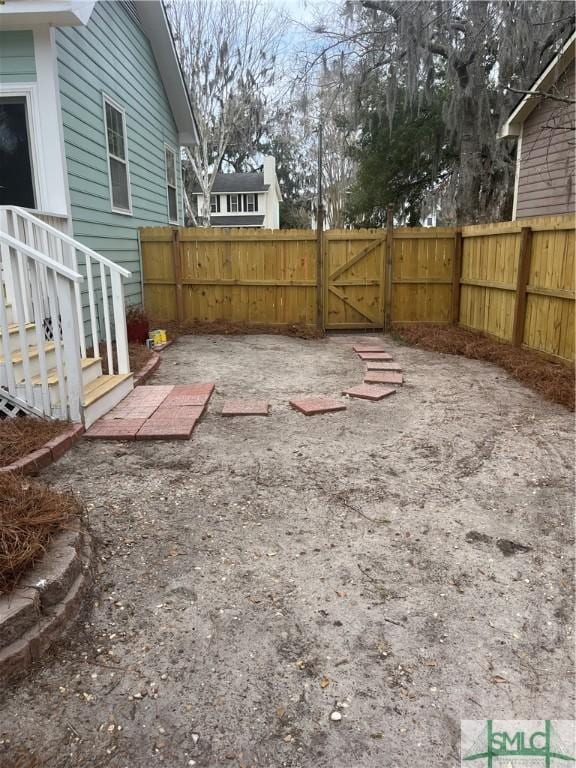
[234, 183]
[545, 80]
[155, 25]
[236, 221]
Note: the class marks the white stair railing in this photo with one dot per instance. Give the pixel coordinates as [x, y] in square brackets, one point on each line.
[42, 291]
[103, 282]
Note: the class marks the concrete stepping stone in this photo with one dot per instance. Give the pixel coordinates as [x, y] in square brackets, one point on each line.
[368, 348]
[310, 406]
[382, 365]
[369, 392]
[383, 377]
[374, 356]
[245, 408]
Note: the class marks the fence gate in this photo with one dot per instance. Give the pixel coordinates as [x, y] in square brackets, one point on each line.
[354, 278]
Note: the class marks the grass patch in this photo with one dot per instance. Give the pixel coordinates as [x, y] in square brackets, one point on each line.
[30, 515]
[553, 381]
[21, 435]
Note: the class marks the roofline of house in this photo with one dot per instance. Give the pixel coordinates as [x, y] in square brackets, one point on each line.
[157, 27]
[530, 101]
[234, 191]
[59, 13]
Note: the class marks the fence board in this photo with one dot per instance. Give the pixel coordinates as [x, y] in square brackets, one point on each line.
[269, 277]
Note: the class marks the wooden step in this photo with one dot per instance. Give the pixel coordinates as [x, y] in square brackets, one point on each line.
[33, 360]
[86, 363]
[100, 386]
[33, 353]
[102, 394]
[14, 336]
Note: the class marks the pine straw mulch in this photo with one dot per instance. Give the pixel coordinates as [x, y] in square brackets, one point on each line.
[30, 515]
[138, 354]
[226, 328]
[21, 435]
[554, 381]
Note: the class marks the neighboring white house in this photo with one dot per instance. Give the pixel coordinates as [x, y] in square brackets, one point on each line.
[244, 199]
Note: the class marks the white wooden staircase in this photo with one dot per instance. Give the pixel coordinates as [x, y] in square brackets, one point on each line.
[59, 301]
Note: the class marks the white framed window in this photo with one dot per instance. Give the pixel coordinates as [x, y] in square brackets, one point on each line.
[233, 204]
[214, 203]
[117, 149]
[19, 186]
[250, 204]
[171, 189]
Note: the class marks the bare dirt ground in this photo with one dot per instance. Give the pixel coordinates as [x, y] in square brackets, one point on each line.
[274, 570]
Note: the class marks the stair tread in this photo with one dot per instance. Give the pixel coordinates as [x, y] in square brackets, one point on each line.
[85, 362]
[32, 352]
[100, 386]
[14, 328]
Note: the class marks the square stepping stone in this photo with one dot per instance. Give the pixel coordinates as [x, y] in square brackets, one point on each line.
[369, 392]
[382, 365]
[310, 406]
[190, 394]
[368, 348]
[245, 408]
[383, 377]
[115, 429]
[374, 356]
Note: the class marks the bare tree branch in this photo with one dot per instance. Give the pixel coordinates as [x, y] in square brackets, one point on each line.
[542, 94]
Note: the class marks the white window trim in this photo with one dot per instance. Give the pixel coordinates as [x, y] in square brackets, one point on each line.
[232, 196]
[44, 118]
[108, 100]
[29, 92]
[215, 203]
[248, 196]
[517, 173]
[175, 186]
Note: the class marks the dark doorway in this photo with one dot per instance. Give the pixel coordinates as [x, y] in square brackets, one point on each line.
[16, 182]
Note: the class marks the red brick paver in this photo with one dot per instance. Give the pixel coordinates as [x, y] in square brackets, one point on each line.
[382, 365]
[368, 348]
[311, 406]
[383, 377]
[155, 412]
[157, 429]
[170, 412]
[245, 408]
[190, 394]
[369, 392]
[115, 429]
[374, 356]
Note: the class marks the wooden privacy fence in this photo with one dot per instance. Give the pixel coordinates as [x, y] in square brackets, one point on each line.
[517, 282]
[514, 280]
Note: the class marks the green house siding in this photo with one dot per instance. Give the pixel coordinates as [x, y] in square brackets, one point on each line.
[112, 57]
[17, 62]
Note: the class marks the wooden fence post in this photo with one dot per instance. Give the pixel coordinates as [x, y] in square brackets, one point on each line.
[388, 270]
[522, 278]
[177, 269]
[456, 277]
[320, 235]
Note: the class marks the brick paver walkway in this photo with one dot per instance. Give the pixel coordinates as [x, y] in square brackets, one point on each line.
[155, 413]
[172, 412]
